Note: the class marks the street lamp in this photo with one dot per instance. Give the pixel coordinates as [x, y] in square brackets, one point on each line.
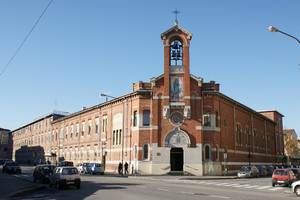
[105, 95]
[273, 30]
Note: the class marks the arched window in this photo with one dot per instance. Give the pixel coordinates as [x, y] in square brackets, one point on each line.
[176, 53]
[135, 118]
[145, 152]
[207, 154]
[247, 136]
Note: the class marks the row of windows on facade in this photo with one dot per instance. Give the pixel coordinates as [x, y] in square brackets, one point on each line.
[146, 122]
[207, 118]
[39, 139]
[79, 155]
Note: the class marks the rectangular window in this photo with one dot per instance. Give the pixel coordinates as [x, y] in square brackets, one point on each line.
[72, 129]
[114, 137]
[61, 135]
[83, 127]
[135, 118]
[146, 118]
[120, 136]
[67, 132]
[96, 125]
[90, 127]
[206, 118]
[104, 126]
[77, 130]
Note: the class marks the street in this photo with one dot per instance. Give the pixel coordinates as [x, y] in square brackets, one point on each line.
[162, 187]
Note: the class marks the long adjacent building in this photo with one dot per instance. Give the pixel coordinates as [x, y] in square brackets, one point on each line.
[173, 123]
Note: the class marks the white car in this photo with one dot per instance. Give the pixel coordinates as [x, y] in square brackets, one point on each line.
[82, 167]
[296, 188]
[65, 176]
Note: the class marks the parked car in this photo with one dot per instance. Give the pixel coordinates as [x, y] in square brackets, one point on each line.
[65, 163]
[82, 167]
[296, 172]
[263, 171]
[95, 168]
[248, 172]
[1, 162]
[11, 167]
[296, 188]
[42, 172]
[283, 177]
[270, 170]
[65, 176]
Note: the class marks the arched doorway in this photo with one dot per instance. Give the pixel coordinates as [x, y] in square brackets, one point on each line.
[176, 159]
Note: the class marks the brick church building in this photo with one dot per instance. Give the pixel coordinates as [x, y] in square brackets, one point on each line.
[174, 123]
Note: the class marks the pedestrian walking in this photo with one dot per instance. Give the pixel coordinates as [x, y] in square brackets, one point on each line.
[126, 168]
[120, 168]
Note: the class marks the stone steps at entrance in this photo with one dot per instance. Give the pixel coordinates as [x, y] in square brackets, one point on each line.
[179, 173]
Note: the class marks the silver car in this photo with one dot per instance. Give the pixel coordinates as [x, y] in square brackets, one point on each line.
[248, 172]
[95, 168]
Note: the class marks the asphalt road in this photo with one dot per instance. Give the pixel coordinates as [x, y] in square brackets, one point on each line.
[161, 187]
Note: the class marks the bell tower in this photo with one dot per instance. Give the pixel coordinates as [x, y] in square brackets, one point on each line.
[177, 89]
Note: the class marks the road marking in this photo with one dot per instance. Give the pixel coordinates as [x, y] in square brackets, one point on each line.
[238, 186]
[161, 189]
[219, 196]
[264, 187]
[231, 185]
[187, 192]
[252, 186]
[222, 184]
[275, 189]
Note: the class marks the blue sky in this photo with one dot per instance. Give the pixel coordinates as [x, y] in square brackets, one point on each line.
[82, 48]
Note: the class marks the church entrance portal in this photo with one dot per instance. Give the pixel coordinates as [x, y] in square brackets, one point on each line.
[176, 157]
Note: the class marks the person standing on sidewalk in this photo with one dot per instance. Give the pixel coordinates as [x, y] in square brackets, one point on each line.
[126, 168]
[120, 168]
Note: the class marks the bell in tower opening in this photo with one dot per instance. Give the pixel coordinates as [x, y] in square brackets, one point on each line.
[176, 53]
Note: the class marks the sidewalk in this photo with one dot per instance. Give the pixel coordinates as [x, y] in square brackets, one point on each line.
[11, 186]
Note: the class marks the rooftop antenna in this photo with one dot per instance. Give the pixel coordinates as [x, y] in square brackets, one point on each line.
[176, 12]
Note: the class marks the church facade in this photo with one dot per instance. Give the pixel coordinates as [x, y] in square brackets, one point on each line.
[176, 122]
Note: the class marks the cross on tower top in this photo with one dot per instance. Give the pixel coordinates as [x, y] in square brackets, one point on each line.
[176, 12]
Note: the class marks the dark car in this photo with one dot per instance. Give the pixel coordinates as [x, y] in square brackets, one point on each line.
[65, 163]
[263, 171]
[42, 173]
[296, 172]
[283, 177]
[11, 167]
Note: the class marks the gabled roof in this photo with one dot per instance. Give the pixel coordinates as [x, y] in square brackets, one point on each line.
[176, 27]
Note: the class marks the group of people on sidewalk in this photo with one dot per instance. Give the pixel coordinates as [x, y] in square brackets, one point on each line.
[120, 168]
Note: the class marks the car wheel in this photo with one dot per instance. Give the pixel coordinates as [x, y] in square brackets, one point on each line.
[78, 186]
[297, 191]
[50, 184]
[102, 173]
[34, 179]
[58, 186]
[257, 175]
[251, 176]
[273, 184]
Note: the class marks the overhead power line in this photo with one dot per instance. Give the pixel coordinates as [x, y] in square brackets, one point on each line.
[16, 52]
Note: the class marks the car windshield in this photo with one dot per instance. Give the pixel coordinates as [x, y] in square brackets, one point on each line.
[281, 172]
[98, 165]
[48, 169]
[245, 168]
[12, 164]
[69, 171]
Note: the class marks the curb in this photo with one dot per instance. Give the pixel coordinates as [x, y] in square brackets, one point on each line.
[24, 191]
